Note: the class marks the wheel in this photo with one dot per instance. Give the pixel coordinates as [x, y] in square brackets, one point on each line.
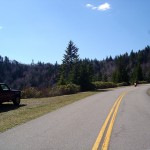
[16, 101]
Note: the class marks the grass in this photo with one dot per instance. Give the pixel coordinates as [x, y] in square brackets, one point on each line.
[11, 116]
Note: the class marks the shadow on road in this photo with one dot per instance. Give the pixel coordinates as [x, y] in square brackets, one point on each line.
[9, 107]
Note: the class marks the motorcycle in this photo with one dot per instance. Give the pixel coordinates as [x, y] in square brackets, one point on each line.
[135, 84]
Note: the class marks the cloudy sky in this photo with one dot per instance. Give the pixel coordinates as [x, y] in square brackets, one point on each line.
[40, 30]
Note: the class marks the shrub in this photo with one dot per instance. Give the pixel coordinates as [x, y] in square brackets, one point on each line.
[30, 92]
[142, 82]
[87, 87]
[104, 85]
[64, 89]
[122, 84]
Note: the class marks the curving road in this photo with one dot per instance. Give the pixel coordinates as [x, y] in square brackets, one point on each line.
[77, 126]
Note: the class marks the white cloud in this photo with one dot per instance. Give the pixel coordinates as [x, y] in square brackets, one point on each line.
[94, 7]
[89, 5]
[102, 7]
[1, 27]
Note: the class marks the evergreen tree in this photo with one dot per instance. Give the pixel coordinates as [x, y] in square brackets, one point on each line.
[69, 70]
[115, 77]
[148, 77]
[105, 78]
[86, 75]
[121, 73]
[137, 73]
[99, 76]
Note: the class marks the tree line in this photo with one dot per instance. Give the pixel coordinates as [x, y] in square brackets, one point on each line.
[126, 68]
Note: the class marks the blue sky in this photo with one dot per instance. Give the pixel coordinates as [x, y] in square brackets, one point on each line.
[40, 30]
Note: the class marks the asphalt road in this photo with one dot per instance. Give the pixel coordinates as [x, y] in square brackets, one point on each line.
[77, 126]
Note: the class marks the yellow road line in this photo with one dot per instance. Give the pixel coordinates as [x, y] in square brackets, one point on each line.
[109, 131]
[100, 135]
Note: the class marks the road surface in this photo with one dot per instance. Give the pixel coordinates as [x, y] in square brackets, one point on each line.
[79, 125]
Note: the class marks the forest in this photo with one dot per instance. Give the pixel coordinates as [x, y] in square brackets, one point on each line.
[76, 72]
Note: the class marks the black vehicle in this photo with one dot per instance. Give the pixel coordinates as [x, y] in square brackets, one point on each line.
[7, 94]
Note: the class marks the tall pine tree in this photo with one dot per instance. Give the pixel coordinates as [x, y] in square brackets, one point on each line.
[69, 69]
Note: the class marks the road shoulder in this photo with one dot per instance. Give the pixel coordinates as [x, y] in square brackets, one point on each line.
[148, 91]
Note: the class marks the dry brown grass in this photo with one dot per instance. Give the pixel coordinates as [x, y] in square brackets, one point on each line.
[11, 116]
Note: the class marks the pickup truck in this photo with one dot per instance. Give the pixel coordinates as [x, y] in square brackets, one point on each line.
[7, 94]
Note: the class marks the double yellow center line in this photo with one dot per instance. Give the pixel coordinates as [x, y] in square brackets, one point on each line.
[109, 122]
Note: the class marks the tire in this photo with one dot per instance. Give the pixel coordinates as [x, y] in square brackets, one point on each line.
[16, 101]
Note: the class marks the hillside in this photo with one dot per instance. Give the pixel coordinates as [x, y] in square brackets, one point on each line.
[123, 68]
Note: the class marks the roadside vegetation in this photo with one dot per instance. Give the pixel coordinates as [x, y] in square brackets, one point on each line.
[54, 79]
[29, 109]
[58, 90]
[66, 89]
